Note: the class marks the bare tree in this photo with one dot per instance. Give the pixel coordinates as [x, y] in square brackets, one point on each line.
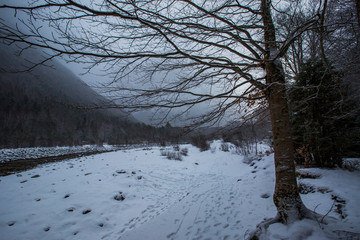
[176, 54]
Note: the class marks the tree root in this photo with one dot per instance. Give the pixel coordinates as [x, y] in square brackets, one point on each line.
[261, 227]
[306, 214]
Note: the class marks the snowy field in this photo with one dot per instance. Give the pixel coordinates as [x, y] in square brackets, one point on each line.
[139, 194]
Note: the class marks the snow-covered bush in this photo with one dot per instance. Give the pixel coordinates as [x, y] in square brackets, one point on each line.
[224, 147]
[351, 164]
[184, 151]
[171, 155]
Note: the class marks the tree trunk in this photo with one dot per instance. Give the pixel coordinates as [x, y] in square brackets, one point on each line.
[286, 196]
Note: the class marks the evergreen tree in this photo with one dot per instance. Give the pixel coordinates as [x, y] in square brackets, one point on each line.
[321, 125]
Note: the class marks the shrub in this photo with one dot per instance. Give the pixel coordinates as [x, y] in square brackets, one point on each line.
[200, 142]
[184, 151]
[171, 155]
[351, 164]
[224, 147]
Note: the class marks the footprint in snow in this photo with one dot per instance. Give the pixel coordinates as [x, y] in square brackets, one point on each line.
[70, 209]
[265, 195]
[86, 211]
[11, 223]
[119, 197]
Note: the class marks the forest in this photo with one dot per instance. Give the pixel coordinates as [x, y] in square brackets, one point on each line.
[50, 106]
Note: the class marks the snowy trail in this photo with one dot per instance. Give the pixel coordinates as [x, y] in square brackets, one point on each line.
[202, 213]
[220, 205]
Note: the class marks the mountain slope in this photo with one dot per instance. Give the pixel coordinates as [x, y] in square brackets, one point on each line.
[36, 107]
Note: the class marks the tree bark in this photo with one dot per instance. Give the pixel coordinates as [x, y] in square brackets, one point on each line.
[286, 196]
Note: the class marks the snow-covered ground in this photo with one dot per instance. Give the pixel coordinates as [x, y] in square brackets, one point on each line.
[139, 194]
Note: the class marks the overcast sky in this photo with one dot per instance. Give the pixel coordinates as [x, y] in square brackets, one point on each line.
[98, 76]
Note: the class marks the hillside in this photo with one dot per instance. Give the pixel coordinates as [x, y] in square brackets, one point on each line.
[40, 108]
